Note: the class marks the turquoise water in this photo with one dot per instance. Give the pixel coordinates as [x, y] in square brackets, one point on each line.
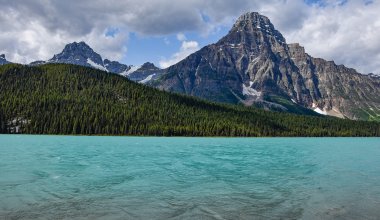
[61, 177]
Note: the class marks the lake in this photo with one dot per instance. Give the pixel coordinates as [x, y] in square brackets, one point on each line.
[64, 177]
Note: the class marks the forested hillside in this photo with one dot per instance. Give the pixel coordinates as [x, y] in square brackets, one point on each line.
[68, 99]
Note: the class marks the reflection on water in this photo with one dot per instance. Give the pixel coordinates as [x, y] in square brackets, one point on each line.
[62, 177]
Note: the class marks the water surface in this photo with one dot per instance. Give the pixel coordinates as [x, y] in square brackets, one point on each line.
[62, 177]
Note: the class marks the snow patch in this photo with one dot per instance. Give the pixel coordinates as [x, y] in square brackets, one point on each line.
[95, 65]
[147, 79]
[247, 90]
[131, 70]
[294, 101]
[320, 111]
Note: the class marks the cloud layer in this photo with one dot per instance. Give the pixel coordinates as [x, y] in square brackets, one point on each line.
[345, 31]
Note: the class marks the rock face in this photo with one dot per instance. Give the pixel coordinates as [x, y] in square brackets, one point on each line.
[3, 60]
[254, 65]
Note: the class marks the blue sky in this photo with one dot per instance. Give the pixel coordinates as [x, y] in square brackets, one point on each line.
[154, 49]
[166, 31]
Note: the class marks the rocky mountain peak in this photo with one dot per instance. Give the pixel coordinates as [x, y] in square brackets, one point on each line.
[252, 30]
[80, 48]
[78, 53]
[2, 56]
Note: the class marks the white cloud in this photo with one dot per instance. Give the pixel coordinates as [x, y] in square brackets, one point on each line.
[187, 48]
[348, 34]
[181, 37]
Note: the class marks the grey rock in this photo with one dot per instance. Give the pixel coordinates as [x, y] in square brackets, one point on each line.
[253, 62]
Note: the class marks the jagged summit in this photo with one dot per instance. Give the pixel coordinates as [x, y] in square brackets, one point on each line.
[254, 25]
[79, 54]
[252, 18]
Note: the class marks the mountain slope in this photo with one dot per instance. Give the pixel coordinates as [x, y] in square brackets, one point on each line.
[69, 99]
[145, 73]
[254, 65]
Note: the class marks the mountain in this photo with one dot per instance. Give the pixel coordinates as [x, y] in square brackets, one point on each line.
[115, 67]
[71, 99]
[83, 55]
[79, 54]
[255, 66]
[145, 73]
[3, 60]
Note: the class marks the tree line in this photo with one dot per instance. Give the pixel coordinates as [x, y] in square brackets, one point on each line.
[69, 99]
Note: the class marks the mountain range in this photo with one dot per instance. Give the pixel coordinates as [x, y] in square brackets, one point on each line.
[254, 66]
[79, 53]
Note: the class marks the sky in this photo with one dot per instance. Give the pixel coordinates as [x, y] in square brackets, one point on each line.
[166, 31]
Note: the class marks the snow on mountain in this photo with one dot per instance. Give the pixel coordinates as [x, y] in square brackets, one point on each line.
[147, 79]
[95, 65]
[83, 55]
[131, 70]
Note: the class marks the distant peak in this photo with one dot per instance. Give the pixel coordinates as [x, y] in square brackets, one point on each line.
[149, 65]
[2, 56]
[76, 44]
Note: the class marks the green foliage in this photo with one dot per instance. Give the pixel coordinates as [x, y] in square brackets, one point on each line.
[68, 99]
